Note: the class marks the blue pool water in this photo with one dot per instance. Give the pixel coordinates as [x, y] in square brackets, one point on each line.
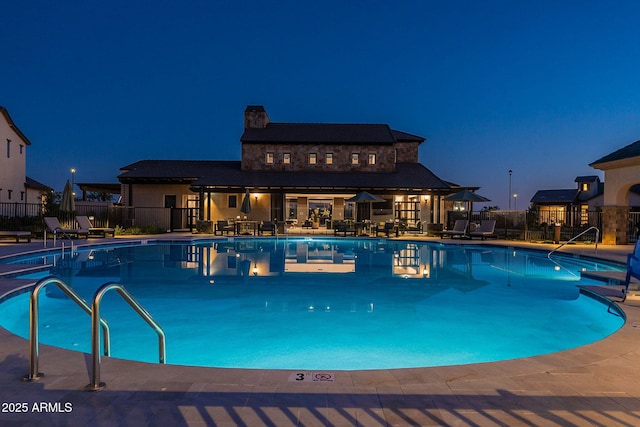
[323, 303]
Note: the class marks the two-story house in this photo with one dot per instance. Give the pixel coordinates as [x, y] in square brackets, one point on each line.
[569, 206]
[295, 170]
[15, 186]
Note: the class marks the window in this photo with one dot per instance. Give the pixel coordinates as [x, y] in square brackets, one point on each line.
[21, 148]
[8, 148]
[329, 158]
[22, 196]
[313, 158]
[355, 158]
[170, 201]
[286, 158]
[9, 193]
[372, 158]
[232, 201]
[270, 158]
[585, 186]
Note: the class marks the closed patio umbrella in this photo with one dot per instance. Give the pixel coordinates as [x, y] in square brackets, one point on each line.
[68, 204]
[246, 203]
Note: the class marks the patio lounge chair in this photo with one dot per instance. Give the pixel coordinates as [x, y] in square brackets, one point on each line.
[85, 224]
[633, 267]
[16, 235]
[54, 227]
[459, 229]
[486, 230]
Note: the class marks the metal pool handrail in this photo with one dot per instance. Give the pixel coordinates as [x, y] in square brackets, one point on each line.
[34, 329]
[95, 330]
[578, 235]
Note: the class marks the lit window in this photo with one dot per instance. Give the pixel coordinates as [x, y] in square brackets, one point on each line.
[355, 158]
[269, 158]
[313, 158]
[372, 158]
[286, 158]
[585, 186]
[329, 158]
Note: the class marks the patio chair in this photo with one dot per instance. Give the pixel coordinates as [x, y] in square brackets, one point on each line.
[54, 227]
[267, 227]
[486, 230]
[224, 226]
[342, 228]
[85, 224]
[459, 229]
[633, 267]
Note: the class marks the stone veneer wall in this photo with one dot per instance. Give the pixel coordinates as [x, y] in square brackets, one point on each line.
[254, 156]
[614, 225]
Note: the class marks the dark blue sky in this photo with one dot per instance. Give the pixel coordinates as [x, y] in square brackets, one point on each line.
[542, 88]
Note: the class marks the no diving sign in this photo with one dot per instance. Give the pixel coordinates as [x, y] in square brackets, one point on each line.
[311, 377]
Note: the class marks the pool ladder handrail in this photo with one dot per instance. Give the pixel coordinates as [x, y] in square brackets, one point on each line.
[34, 329]
[576, 236]
[95, 383]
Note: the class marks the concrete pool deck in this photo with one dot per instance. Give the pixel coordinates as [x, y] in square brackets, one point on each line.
[597, 384]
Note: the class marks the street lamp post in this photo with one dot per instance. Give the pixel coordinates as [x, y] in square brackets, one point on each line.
[73, 178]
[510, 172]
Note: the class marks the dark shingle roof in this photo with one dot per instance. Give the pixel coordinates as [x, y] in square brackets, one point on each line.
[32, 183]
[631, 150]
[555, 196]
[228, 175]
[326, 133]
[587, 178]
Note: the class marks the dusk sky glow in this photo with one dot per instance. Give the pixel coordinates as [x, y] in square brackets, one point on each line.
[540, 88]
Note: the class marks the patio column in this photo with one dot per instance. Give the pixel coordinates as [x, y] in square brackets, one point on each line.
[615, 225]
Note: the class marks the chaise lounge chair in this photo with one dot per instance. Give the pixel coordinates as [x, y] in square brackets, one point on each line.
[487, 230]
[459, 229]
[85, 224]
[54, 227]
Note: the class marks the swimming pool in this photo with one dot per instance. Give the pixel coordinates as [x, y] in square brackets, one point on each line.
[323, 303]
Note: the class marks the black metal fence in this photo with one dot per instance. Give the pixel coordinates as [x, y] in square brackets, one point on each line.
[533, 225]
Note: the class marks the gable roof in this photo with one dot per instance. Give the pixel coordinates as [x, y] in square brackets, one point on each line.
[13, 126]
[631, 150]
[326, 133]
[228, 175]
[566, 196]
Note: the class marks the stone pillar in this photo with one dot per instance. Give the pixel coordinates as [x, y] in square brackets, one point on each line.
[614, 225]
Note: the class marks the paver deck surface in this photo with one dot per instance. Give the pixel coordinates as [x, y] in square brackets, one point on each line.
[597, 384]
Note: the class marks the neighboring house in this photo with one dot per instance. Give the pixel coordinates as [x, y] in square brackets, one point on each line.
[622, 175]
[15, 186]
[569, 206]
[297, 170]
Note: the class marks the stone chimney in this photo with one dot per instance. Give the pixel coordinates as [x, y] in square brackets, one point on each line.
[255, 116]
